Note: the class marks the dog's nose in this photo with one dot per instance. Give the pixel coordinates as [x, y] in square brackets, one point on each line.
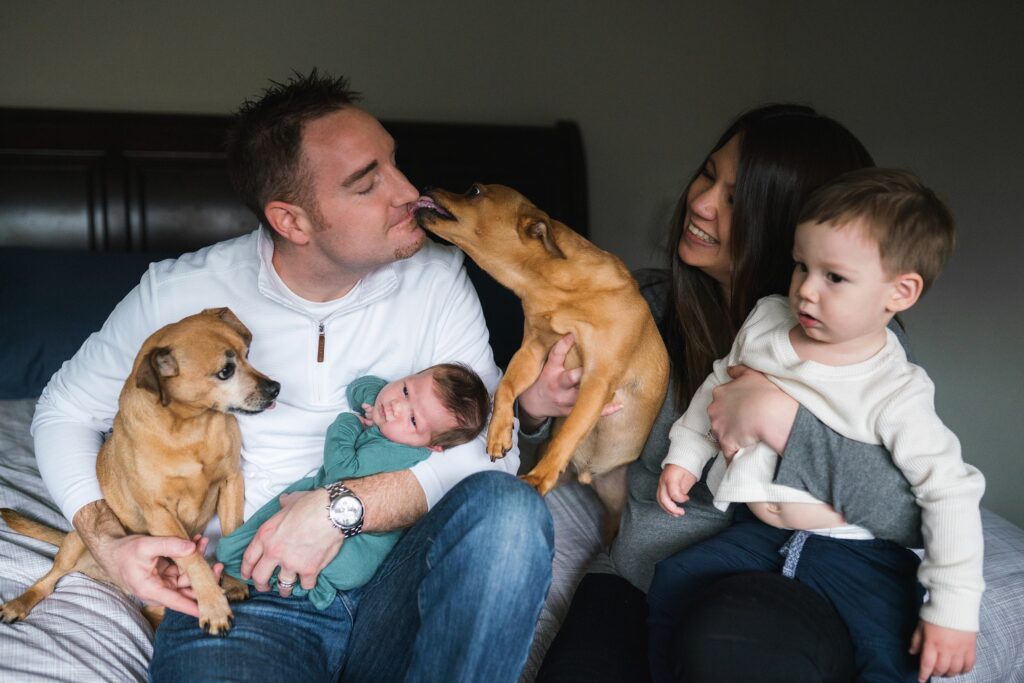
[270, 388]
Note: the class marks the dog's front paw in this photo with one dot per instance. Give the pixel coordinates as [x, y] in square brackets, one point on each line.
[499, 440]
[234, 590]
[216, 619]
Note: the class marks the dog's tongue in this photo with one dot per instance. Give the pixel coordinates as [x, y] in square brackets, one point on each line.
[424, 203]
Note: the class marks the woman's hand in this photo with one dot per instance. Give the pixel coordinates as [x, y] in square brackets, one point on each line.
[749, 409]
[299, 539]
[555, 391]
[674, 489]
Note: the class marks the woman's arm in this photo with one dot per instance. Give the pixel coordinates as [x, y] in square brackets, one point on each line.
[859, 480]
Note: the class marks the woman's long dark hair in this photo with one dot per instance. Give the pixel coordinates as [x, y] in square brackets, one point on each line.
[786, 152]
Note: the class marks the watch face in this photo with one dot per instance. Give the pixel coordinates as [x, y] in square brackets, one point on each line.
[347, 511]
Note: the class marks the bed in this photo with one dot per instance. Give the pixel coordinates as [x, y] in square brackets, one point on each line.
[88, 199]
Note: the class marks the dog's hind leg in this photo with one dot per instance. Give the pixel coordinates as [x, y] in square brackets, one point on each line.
[611, 489]
[71, 552]
[594, 394]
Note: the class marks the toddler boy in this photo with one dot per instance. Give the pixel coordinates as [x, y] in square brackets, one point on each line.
[866, 247]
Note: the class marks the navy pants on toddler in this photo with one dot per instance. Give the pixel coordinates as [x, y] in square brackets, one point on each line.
[872, 584]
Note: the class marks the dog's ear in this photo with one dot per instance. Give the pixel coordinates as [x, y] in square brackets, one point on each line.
[229, 317]
[159, 364]
[538, 226]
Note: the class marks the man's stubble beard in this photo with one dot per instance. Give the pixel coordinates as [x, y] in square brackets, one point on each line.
[399, 254]
[405, 252]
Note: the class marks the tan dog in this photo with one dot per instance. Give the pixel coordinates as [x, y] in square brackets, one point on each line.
[173, 458]
[566, 284]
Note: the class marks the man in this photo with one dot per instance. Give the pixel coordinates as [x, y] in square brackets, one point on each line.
[338, 281]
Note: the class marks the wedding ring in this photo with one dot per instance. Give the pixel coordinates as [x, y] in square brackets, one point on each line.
[710, 436]
[285, 584]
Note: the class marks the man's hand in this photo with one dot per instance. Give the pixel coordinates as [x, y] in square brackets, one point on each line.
[749, 409]
[181, 582]
[674, 489]
[944, 651]
[555, 391]
[299, 539]
[137, 564]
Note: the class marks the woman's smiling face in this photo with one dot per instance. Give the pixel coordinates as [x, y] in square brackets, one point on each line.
[708, 218]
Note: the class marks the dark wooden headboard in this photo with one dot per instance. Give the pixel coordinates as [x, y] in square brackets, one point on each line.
[107, 181]
[88, 199]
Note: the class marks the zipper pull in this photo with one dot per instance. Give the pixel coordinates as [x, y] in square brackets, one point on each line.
[320, 345]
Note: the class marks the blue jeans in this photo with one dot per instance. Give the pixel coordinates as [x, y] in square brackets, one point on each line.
[871, 584]
[456, 600]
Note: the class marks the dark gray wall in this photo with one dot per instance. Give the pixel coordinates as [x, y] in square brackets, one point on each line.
[933, 86]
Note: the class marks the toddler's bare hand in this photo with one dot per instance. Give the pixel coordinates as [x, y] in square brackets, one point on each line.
[674, 489]
[944, 651]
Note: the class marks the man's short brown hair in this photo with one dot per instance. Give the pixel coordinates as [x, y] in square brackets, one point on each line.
[463, 393]
[264, 143]
[913, 228]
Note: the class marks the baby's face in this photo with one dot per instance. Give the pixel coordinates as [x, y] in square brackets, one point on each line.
[840, 292]
[408, 411]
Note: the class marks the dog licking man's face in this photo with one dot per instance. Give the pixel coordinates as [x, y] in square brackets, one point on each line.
[202, 362]
[488, 219]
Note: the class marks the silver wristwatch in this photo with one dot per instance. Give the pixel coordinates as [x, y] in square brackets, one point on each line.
[344, 509]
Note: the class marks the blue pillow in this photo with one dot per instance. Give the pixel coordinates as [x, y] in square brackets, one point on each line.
[52, 300]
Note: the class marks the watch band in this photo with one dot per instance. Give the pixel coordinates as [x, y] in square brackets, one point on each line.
[336, 491]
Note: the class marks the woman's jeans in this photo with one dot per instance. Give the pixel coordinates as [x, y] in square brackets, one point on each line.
[456, 600]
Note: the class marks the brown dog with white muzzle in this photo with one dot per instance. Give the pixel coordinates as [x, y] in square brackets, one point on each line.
[567, 285]
[173, 458]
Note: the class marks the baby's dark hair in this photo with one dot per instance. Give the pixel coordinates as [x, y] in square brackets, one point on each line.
[463, 393]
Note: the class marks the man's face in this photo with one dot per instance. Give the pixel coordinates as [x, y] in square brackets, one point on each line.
[409, 411]
[362, 216]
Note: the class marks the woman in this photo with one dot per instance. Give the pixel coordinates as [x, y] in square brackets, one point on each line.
[732, 240]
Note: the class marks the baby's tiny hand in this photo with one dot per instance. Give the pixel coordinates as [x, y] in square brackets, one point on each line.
[944, 651]
[674, 488]
[367, 417]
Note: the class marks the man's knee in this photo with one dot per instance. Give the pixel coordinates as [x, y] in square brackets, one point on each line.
[513, 514]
